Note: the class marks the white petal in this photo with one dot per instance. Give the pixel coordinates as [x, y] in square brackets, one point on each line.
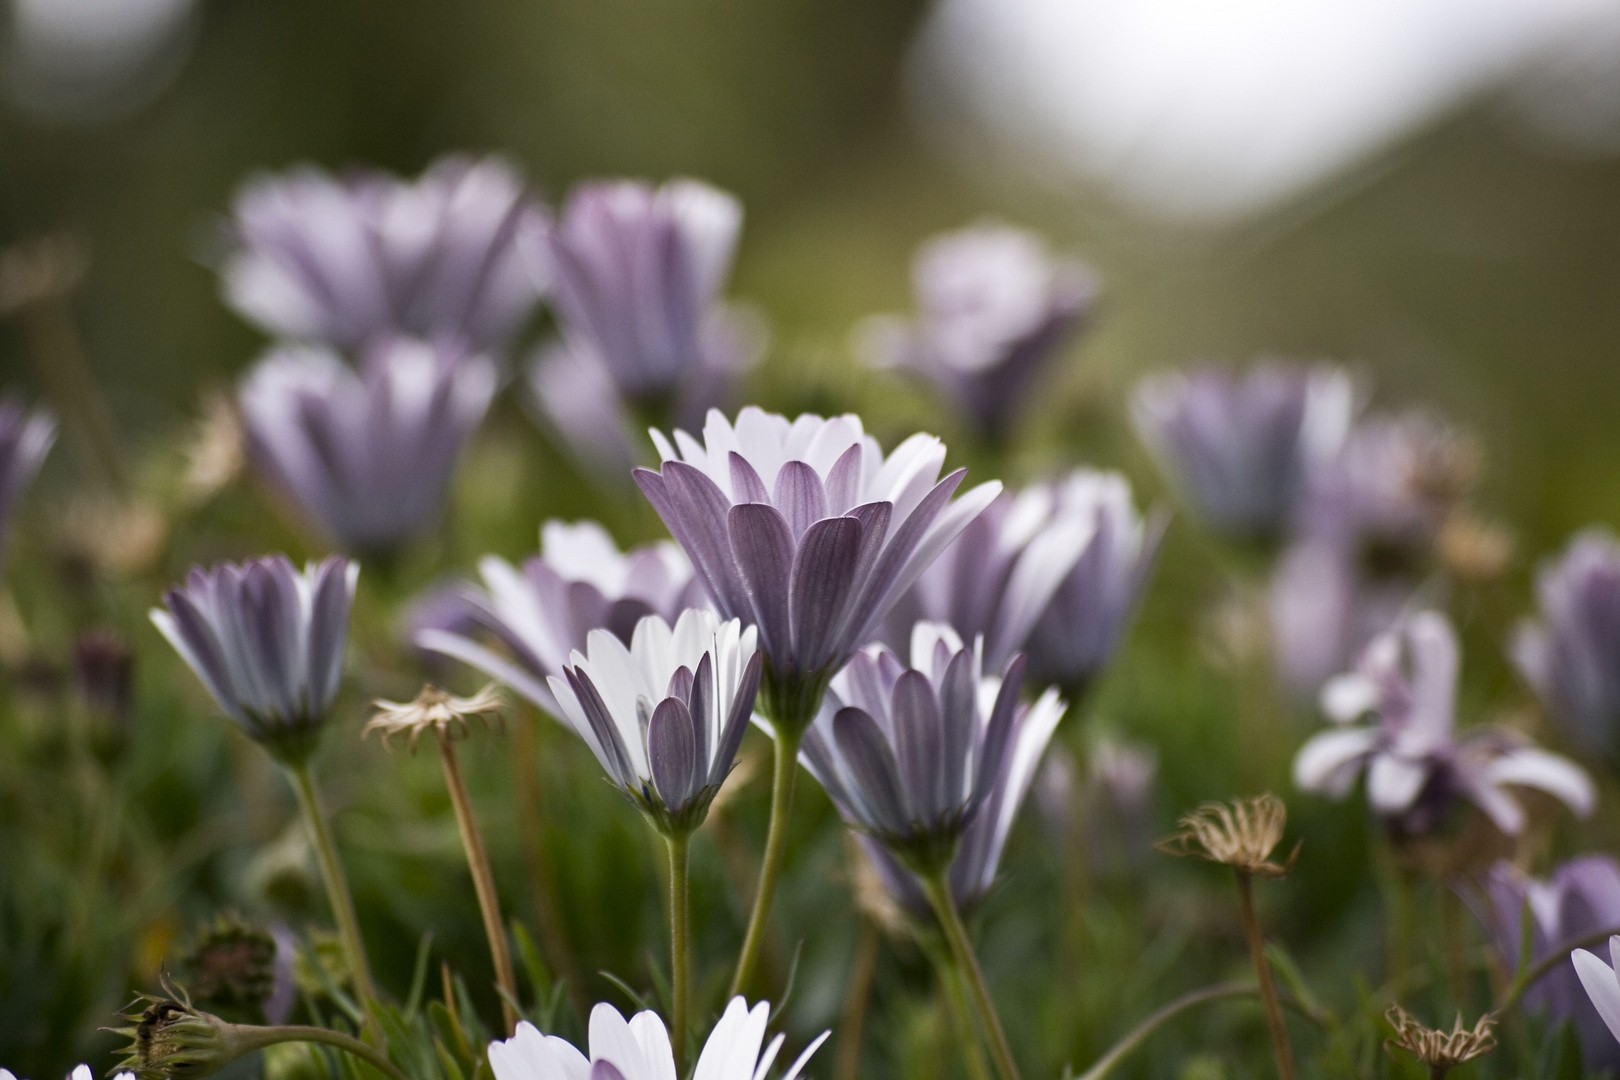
[1328, 763]
[650, 1032]
[804, 1058]
[1557, 775]
[1393, 783]
[1346, 697]
[1601, 986]
[611, 1040]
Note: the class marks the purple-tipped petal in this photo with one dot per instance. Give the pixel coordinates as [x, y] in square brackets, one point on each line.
[998, 733]
[763, 546]
[616, 760]
[873, 768]
[958, 700]
[701, 704]
[672, 752]
[742, 707]
[822, 580]
[799, 496]
[919, 746]
[746, 486]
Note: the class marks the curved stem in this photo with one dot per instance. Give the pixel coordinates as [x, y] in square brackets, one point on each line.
[962, 1017]
[489, 903]
[1268, 989]
[257, 1038]
[679, 946]
[939, 898]
[1138, 1034]
[1528, 978]
[337, 893]
[856, 994]
[784, 771]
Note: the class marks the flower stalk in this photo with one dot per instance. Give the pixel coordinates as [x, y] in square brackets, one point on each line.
[680, 925]
[936, 886]
[1262, 969]
[784, 772]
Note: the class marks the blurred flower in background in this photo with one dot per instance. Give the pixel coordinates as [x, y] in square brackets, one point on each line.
[89, 61]
[25, 438]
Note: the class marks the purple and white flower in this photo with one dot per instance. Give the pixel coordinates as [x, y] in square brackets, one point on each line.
[1242, 447]
[25, 438]
[367, 455]
[1416, 766]
[808, 531]
[458, 253]
[666, 715]
[544, 611]
[1602, 983]
[1571, 654]
[994, 307]
[267, 642]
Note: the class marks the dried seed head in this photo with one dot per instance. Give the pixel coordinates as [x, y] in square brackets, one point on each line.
[232, 966]
[1473, 549]
[435, 709]
[1438, 1049]
[1241, 835]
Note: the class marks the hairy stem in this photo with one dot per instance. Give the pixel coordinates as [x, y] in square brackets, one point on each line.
[489, 903]
[257, 1038]
[939, 898]
[1262, 971]
[967, 1031]
[856, 994]
[680, 954]
[337, 893]
[784, 772]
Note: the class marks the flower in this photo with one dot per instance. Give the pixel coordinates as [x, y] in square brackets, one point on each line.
[369, 456]
[170, 1040]
[1069, 556]
[433, 709]
[805, 529]
[232, 967]
[1324, 609]
[994, 306]
[638, 273]
[1241, 835]
[1415, 765]
[1571, 654]
[267, 642]
[1437, 1049]
[25, 438]
[1582, 897]
[639, 1049]
[666, 715]
[80, 1072]
[579, 582]
[1601, 983]
[911, 755]
[1241, 448]
[459, 252]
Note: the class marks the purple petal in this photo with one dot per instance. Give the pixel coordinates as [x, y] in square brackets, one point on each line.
[799, 496]
[617, 758]
[672, 751]
[742, 706]
[918, 744]
[998, 733]
[700, 703]
[695, 509]
[958, 700]
[823, 578]
[872, 767]
[844, 481]
[764, 552]
[746, 486]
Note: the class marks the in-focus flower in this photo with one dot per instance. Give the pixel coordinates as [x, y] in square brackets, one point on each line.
[25, 438]
[1440, 1050]
[1601, 982]
[666, 715]
[458, 253]
[1240, 834]
[806, 530]
[639, 1049]
[1571, 654]
[368, 456]
[910, 756]
[1582, 897]
[1069, 556]
[267, 642]
[579, 582]
[1416, 766]
[993, 306]
[1241, 447]
[432, 710]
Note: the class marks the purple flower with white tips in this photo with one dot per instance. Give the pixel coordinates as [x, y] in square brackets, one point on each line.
[666, 715]
[544, 611]
[911, 756]
[458, 253]
[1571, 654]
[806, 530]
[1416, 766]
[1242, 447]
[994, 306]
[267, 642]
[25, 438]
[368, 456]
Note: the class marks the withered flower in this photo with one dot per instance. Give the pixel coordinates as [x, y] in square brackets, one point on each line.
[1241, 835]
[1440, 1050]
[433, 709]
[172, 1040]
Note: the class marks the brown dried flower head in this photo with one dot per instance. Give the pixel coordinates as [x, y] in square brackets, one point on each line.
[434, 709]
[1438, 1049]
[1473, 549]
[1240, 834]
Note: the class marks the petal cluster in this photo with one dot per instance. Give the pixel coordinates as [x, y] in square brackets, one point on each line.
[1415, 764]
[459, 252]
[267, 642]
[25, 438]
[806, 529]
[666, 715]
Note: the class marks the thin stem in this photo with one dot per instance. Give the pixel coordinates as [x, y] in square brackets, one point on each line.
[680, 950]
[784, 771]
[1262, 971]
[337, 894]
[856, 995]
[531, 818]
[489, 902]
[256, 1038]
[967, 1029]
[1138, 1034]
[1528, 978]
[939, 898]
[1456, 949]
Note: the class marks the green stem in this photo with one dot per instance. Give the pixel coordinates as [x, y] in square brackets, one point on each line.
[939, 898]
[679, 946]
[950, 979]
[1268, 989]
[337, 893]
[257, 1038]
[1528, 977]
[784, 771]
[848, 1059]
[1138, 1035]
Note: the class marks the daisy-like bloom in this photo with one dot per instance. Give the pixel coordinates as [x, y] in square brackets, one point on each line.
[806, 530]
[1601, 982]
[1241, 447]
[542, 612]
[1241, 834]
[1571, 654]
[666, 715]
[368, 456]
[80, 1072]
[1324, 608]
[1440, 1050]
[910, 756]
[458, 253]
[994, 306]
[640, 1049]
[432, 710]
[267, 642]
[1582, 897]
[1416, 766]
[25, 438]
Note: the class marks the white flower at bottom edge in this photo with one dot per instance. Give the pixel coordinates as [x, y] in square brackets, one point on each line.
[639, 1049]
[1601, 982]
[81, 1072]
